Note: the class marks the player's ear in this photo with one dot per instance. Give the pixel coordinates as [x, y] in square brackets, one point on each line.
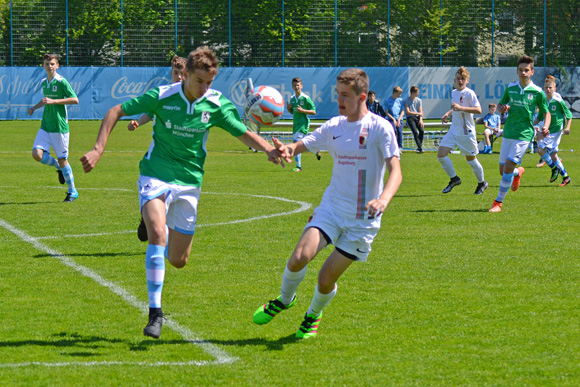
[363, 97]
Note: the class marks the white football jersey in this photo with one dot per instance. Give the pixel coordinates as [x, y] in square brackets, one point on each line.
[462, 122]
[359, 150]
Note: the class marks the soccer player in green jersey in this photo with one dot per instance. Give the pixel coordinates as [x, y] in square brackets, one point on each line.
[171, 171]
[54, 130]
[521, 99]
[177, 69]
[300, 106]
[548, 147]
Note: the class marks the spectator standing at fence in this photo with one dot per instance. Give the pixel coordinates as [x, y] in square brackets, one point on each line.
[54, 129]
[171, 172]
[374, 106]
[300, 106]
[396, 112]
[414, 113]
[349, 216]
[492, 123]
[548, 146]
[461, 133]
[177, 68]
[521, 99]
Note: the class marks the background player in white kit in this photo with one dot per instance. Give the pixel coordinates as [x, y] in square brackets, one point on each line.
[461, 133]
[363, 146]
[171, 172]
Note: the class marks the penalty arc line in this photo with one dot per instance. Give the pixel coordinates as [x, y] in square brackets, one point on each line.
[221, 356]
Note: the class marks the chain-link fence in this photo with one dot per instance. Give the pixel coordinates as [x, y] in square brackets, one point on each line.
[292, 33]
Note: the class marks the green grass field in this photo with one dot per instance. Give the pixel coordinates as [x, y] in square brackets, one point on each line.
[451, 294]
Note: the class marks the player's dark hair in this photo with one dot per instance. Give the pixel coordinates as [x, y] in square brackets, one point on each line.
[296, 80]
[526, 59]
[202, 58]
[50, 57]
[371, 92]
[178, 62]
[414, 89]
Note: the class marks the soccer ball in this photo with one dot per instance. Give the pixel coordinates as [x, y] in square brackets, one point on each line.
[264, 105]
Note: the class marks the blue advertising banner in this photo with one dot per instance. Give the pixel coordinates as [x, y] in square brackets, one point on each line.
[100, 88]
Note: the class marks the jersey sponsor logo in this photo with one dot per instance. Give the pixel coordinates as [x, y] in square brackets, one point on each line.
[205, 117]
[168, 107]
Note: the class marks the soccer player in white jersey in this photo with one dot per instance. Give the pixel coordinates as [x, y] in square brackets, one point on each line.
[54, 129]
[171, 172]
[461, 133]
[363, 146]
[521, 99]
[548, 147]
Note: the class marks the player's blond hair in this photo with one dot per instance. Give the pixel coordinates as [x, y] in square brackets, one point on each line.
[357, 78]
[551, 80]
[202, 58]
[491, 105]
[178, 62]
[397, 89]
[463, 72]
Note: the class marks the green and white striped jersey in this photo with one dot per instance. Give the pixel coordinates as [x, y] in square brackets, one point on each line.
[177, 153]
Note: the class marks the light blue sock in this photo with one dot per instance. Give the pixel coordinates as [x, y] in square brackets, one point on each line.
[47, 159]
[155, 269]
[298, 159]
[546, 157]
[504, 186]
[560, 166]
[69, 178]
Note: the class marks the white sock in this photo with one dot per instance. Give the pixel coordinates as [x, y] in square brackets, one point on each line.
[477, 169]
[290, 282]
[319, 301]
[447, 165]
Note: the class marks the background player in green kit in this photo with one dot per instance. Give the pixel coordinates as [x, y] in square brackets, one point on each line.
[300, 106]
[548, 147]
[171, 172]
[54, 130]
[521, 99]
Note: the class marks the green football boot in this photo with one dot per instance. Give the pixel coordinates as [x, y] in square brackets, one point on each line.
[266, 313]
[309, 326]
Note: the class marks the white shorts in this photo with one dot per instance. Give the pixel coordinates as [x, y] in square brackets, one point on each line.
[180, 202]
[513, 150]
[298, 136]
[352, 237]
[467, 143]
[58, 141]
[551, 142]
[490, 132]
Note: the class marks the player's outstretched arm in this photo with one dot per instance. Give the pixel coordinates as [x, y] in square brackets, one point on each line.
[254, 141]
[377, 206]
[91, 158]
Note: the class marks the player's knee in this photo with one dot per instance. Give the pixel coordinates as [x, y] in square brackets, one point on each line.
[37, 154]
[62, 162]
[177, 262]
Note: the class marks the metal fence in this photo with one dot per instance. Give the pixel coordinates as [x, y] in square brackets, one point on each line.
[292, 33]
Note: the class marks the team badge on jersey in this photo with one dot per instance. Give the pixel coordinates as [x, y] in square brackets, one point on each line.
[530, 96]
[205, 117]
[363, 138]
[54, 88]
[168, 124]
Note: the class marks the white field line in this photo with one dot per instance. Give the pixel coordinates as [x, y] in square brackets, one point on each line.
[221, 356]
[303, 207]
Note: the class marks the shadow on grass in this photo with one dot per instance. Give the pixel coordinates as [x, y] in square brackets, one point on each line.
[452, 210]
[272, 345]
[84, 343]
[22, 203]
[96, 255]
